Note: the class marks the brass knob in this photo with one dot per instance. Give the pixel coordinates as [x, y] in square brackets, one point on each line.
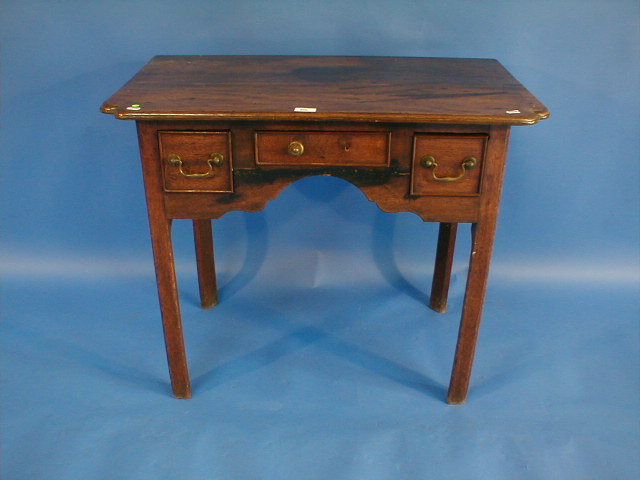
[216, 159]
[296, 149]
[429, 161]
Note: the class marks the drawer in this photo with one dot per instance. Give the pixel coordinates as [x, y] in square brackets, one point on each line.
[196, 161]
[447, 164]
[363, 149]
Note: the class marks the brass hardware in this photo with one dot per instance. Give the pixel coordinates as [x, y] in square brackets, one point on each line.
[215, 160]
[296, 149]
[429, 161]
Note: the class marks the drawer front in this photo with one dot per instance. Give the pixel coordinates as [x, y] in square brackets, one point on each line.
[447, 164]
[323, 148]
[196, 161]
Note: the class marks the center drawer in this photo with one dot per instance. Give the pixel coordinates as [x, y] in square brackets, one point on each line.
[361, 149]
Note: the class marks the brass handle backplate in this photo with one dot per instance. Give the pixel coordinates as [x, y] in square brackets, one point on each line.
[215, 160]
[295, 148]
[429, 161]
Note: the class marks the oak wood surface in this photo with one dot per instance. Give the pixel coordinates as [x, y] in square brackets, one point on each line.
[449, 153]
[160, 226]
[254, 185]
[194, 150]
[374, 120]
[398, 89]
[442, 270]
[203, 238]
[323, 148]
[483, 234]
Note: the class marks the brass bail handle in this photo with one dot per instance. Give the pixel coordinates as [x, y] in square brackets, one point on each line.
[215, 160]
[429, 161]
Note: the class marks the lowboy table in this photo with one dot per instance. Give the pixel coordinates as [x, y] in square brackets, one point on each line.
[421, 135]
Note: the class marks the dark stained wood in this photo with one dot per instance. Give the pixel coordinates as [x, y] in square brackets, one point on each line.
[243, 134]
[483, 233]
[254, 189]
[389, 187]
[375, 120]
[429, 90]
[195, 150]
[323, 148]
[203, 236]
[160, 227]
[442, 271]
[449, 152]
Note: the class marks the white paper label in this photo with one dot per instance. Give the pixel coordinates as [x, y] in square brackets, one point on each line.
[305, 109]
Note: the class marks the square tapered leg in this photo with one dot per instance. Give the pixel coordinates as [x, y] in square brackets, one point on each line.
[203, 236]
[442, 271]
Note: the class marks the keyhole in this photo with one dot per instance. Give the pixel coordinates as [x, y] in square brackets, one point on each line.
[346, 144]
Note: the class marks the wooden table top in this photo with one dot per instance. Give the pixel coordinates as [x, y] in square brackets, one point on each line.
[378, 89]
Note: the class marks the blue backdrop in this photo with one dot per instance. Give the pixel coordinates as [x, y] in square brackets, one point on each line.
[322, 360]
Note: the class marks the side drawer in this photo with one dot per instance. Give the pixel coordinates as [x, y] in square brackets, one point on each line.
[322, 148]
[196, 161]
[446, 164]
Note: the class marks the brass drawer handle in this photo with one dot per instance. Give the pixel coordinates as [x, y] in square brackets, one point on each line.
[295, 148]
[428, 161]
[215, 160]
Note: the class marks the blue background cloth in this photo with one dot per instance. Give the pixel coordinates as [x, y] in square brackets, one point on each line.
[322, 360]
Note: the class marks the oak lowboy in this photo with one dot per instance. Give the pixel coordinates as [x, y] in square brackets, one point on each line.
[422, 135]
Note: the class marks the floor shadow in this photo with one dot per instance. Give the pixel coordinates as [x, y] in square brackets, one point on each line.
[383, 366]
[139, 379]
[256, 233]
[383, 235]
[306, 336]
[257, 359]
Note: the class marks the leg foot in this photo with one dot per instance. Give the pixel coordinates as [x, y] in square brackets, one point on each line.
[170, 306]
[482, 245]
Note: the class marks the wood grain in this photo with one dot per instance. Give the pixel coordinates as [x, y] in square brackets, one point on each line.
[374, 120]
[398, 89]
[442, 271]
[203, 237]
[195, 150]
[160, 226]
[449, 152]
[323, 148]
[483, 234]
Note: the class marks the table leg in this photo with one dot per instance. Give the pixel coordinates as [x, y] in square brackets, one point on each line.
[170, 305]
[442, 270]
[203, 236]
[482, 245]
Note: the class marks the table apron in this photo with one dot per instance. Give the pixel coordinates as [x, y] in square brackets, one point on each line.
[213, 205]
